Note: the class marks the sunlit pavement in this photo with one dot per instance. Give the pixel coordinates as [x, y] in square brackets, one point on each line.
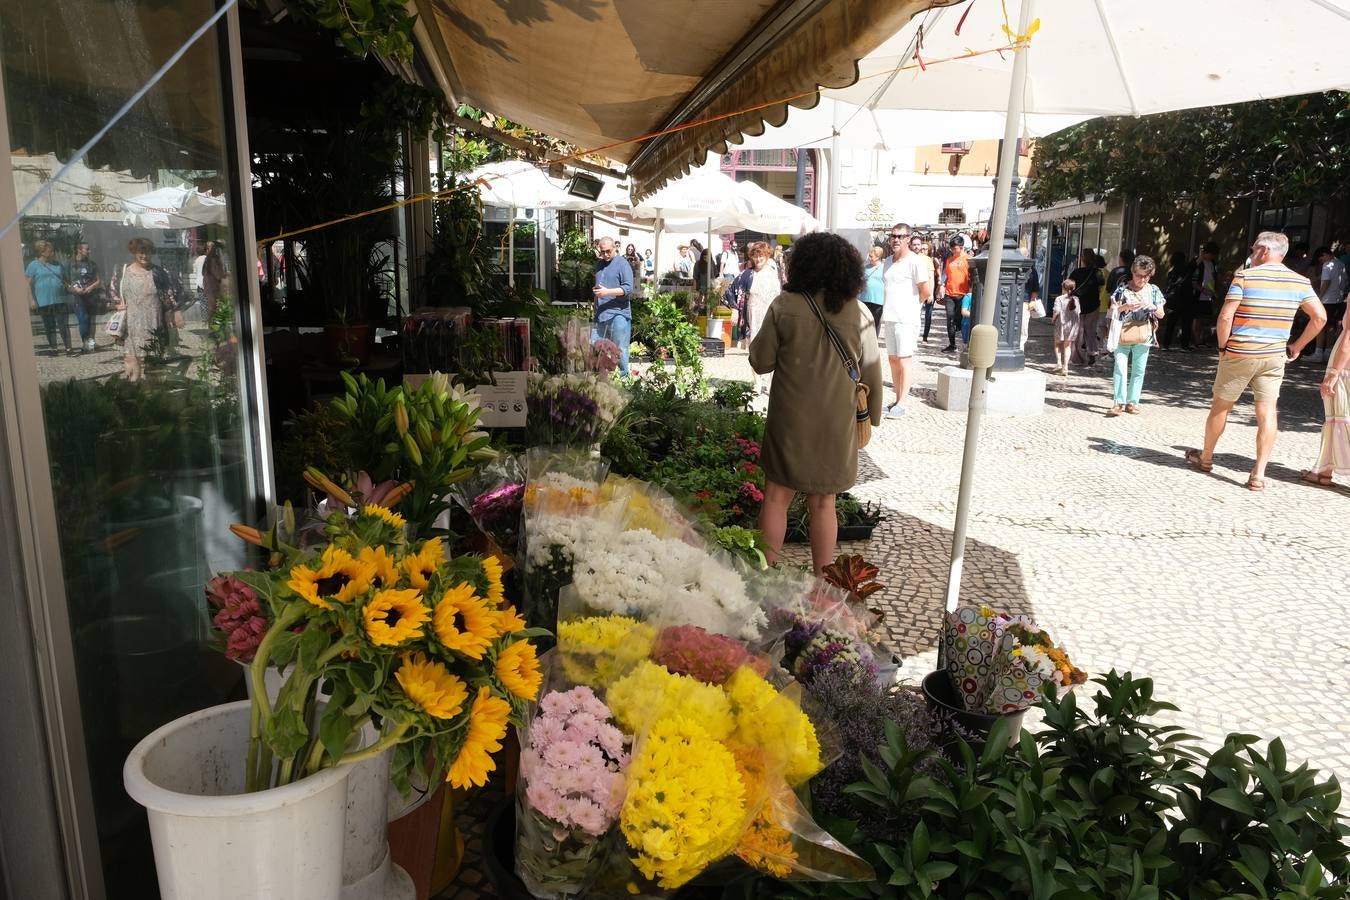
[1233, 602]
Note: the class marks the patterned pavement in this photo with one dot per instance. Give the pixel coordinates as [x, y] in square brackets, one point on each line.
[1231, 601]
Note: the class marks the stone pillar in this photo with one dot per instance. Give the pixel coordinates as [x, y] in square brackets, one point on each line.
[1011, 297]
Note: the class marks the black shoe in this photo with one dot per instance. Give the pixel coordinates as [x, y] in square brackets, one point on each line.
[949, 348]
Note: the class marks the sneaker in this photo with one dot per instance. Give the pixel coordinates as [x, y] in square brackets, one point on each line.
[91, 345]
[896, 412]
[949, 348]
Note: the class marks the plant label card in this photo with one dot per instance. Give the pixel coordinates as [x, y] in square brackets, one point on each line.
[503, 402]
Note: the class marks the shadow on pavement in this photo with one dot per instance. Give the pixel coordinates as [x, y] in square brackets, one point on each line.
[913, 556]
[1225, 464]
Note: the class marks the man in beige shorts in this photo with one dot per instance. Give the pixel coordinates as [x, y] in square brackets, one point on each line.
[1253, 331]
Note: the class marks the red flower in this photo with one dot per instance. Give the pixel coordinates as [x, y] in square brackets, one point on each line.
[238, 616]
[752, 492]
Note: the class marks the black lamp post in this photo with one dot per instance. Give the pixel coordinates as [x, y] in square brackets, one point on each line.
[1011, 296]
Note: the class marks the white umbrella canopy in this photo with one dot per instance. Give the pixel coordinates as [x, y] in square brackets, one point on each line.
[520, 184]
[175, 207]
[1090, 57]
[764, 212]
[708, 194]
[861, 128]
[1112, 57]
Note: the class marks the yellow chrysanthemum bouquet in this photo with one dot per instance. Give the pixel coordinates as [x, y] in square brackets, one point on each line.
[377, 635]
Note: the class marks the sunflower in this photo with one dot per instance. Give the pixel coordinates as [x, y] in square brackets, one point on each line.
[393, 617]
[509, 621]
[384, 571]
[487, 727]
[431, 686]
[518, 670]
[384, 513]
[338, 577]
[492, 569]
[464, 623]
[424, 563]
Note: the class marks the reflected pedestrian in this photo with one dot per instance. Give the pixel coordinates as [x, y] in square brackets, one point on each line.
[213, 278]
[1068, 325]
[47, 295]
[874, 288]
[86, 288]
[1331, 288]
[1205, 289]
[1088, 280]
[145, 293]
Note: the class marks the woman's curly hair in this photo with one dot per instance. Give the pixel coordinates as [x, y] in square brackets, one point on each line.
[821, 261]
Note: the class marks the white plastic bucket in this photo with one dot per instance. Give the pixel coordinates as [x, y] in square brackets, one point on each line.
[212, 840]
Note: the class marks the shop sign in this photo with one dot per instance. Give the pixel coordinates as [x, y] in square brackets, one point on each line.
[875, 214]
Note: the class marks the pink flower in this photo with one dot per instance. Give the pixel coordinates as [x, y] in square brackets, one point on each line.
[238, 616]
[752, 492]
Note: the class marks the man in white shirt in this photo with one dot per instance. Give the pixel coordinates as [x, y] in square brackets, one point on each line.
[1332, 287]
[907, 290]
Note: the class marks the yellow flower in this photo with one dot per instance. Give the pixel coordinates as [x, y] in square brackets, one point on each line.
[508, 621]
[650, 691]
[492, 569]
[765, 718]
[597, 650]
[431, 686]
[384, 571]
[464, 623]
[387, 515]
[393, 617]
[766, 845]
[685, 806]
[487, 727]
[518, 670]
[338, 577]
[423, 564]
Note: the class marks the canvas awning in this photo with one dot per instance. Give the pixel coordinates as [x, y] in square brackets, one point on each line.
[599, 74]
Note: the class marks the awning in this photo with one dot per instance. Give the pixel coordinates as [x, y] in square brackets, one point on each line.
[600, 75]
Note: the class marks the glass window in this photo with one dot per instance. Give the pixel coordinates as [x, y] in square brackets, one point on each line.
[131, 268]
[1092, 237]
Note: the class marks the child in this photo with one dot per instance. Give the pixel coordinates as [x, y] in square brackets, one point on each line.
[1068, 326]
[965, 318]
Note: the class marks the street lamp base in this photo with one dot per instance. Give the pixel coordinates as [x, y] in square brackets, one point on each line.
[1020, 393]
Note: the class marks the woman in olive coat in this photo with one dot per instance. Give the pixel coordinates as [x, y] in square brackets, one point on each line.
[810, 439]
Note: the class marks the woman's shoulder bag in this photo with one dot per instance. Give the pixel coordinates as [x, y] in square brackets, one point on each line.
[862, 413]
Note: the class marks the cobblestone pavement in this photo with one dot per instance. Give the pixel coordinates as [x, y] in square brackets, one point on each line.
[1231, 601]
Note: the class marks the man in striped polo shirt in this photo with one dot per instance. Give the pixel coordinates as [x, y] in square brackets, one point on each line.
[1253, 331]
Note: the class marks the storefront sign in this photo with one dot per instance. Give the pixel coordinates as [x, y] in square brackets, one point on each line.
[503, 402]
[875, 214]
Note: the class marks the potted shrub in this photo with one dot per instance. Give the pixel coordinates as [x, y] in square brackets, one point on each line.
[390, 651]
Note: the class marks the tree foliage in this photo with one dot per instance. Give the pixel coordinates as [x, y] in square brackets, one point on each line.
[1297, 148]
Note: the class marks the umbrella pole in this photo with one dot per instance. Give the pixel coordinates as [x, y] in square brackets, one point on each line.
[511, 249]
[656, 255]
[707, 262]
[984, 338]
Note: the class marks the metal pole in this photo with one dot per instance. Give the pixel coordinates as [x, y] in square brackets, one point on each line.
[707, 261]
[984, 338]
[511, 249]
[656, 255]
[832, 210]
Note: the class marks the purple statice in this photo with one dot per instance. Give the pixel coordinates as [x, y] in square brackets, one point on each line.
[860, 711]
[570, 413]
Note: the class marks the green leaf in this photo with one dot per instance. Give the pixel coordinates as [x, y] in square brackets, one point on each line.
[918, 844]
[936, 870]
[1195, 835]
[1235, 800]
[969, 848]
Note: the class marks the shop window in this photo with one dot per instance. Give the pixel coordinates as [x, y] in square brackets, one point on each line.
[149, 446]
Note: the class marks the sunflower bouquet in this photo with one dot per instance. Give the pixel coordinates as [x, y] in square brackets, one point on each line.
[373, 631]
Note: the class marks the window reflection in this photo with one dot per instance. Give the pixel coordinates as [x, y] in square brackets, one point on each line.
[133, 292]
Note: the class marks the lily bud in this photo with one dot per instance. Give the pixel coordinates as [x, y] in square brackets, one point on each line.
[247, 533]
[401, 416]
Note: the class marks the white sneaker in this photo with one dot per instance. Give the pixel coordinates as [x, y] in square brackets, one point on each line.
[90, 345]
[896, 412]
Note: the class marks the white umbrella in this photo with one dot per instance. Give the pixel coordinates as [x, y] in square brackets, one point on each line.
[861, 128]
[521, 185]
[764, 212]
[1091, 57]
[175, 207]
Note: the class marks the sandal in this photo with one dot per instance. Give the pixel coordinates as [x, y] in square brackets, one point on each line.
[1132, 409]
[1256, 485]
[1197, 461]
[1113, 411]
[1311, 477]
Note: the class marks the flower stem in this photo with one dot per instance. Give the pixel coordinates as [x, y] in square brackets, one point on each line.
[378, 747]
[258, 774]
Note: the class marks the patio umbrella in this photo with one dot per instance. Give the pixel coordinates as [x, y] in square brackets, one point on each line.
[1091, 57]
[764, 212]
[175, 207]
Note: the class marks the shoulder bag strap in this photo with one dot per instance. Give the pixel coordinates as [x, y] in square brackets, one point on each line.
[850, 365]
